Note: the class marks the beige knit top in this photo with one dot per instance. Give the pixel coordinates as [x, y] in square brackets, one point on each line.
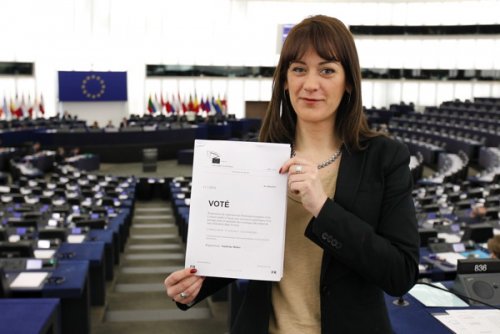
[296, 299]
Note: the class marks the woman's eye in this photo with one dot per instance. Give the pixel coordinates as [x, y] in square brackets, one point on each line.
[327, 71]
[298, 69]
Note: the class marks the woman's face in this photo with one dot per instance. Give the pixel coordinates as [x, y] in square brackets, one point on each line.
[316, 87]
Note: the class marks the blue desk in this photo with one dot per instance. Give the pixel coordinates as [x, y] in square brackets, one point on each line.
[92, 251]
[219, 131]
[87, 162]
[43, 160]
[240, 128]
[111, 251]
[120, 225]
[415, 318]
[21, 316]
[436, 273]
[123, 146]
[72, 290]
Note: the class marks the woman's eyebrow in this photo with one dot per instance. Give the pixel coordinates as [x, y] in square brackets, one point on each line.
[334, 61]
[320, 63]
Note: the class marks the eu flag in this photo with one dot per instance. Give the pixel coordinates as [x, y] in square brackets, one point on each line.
[92, 86]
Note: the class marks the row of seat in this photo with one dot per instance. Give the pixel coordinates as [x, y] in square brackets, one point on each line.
[451, 168]
[52, 122]
[451, 144]
[482, 135]
[489, 159]
[76, 224]
[442, 115]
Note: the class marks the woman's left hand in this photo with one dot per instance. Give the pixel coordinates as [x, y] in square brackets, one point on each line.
[304, 180]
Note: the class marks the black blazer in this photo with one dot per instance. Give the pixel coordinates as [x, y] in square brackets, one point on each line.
[371, 245]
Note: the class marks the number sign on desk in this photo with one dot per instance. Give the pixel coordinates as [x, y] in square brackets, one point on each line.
[478, 266]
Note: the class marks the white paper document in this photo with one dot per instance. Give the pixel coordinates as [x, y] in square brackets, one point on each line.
[450, 257]
[44, 253]
[76, 238]
[29, 280]
[432, 297]
[237, 210]
[471, 321]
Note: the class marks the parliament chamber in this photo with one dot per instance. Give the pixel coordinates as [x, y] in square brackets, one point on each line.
[101, 102]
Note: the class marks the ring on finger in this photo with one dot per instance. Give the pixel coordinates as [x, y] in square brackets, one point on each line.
[183, 295]
[298, 169]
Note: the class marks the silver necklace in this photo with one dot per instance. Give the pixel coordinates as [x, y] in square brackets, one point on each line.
[325, 163]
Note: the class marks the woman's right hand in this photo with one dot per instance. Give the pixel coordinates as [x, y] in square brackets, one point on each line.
[183, 285]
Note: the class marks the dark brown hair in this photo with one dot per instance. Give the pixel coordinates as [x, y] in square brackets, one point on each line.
[494, 246]
[332, 41]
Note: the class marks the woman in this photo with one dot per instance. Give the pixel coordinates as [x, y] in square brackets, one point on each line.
[351, 231]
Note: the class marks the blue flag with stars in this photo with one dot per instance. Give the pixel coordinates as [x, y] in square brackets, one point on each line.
[92, 86]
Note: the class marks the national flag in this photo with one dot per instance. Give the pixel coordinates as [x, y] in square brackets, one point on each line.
[29, 107]
[208, 105]
[92, 86]
[202, 104]
[175, 105]
[163, 104]
[24, 108]
[216, 106]
[168, 106]
[182, 105]
[223, 103]
[190, 105]
[15, 107]
[151, 107]
[41, 106]
[219, 103]
[12, 107]
[6, 110]
[196, 104]
[158, 106]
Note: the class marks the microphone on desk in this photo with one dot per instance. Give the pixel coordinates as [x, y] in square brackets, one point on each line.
[55, 280]
[65, 255]
[400, 301]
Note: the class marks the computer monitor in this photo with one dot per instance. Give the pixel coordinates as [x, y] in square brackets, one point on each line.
[108, 201]
[3, 234]
[16, 249]
[32, 215]
[92, 223]
[25, 207]
[62, 209]
[493, 212]
[53, 233]
[426, 234]
[99, 210]
[478, 233]
[23, 222]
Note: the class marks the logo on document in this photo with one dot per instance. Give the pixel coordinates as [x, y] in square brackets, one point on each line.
[214, 157]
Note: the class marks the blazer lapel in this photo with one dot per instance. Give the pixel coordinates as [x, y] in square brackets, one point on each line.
[349, 177]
